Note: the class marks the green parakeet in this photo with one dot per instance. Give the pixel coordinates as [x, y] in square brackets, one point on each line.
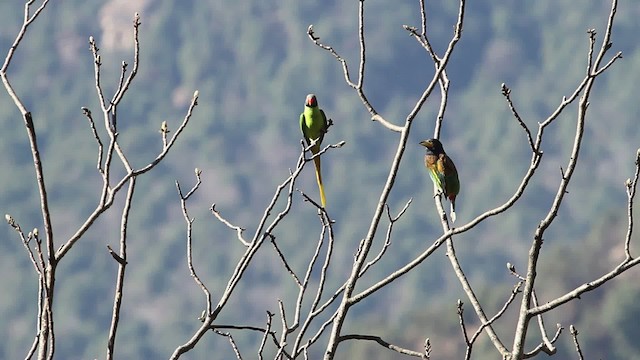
[442, 171]
[313, 124]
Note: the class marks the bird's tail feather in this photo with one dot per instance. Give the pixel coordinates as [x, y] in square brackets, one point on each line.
[316, 162]
[453, 211]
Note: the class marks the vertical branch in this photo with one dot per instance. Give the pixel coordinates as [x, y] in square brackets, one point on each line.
[631, 186]
[121, 258]
[232, 342]
[189, 222]
[312, 314]
[263, 342]
[574, 335]
[46, 337]
[443, 81]
[123, 87]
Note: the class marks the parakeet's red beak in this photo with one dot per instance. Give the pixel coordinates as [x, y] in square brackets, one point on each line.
[311, 101]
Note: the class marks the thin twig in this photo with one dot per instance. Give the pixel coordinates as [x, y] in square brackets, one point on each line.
[284, 260]
[236, 351]
[237, 229]
[189, 221]
[285, 330]
[267, 330]
[463, 327]
[39, 268]
[547, 345]
[307, 277]
[443, 82]
[506, 92]
[475, 303]
[313, 313]
[96, 136]
[516, 290]
[358, 85]
[427, 348]
[574, 335]
[345, 67]
[387, 239]
[631, 186]
[542, 347]
[123, 87]
[383, 343]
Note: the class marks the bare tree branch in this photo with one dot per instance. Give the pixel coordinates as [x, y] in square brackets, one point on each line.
[543, 347]
[463, 327]
[466, 286]
[232, 342]
[506, 92]
[284, 260]
[313, 310]
[267, 331]
[631, 186]
[238, 229]
[546, 345]
[516, 290]
[285, 329]
[117, 301]
[387, 239]
[574, 335]
[45, 333]
[383, 343]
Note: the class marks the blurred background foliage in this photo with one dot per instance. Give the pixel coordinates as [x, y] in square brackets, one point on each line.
[253, 65]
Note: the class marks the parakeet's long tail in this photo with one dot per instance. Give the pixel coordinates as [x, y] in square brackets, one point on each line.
[316, 162]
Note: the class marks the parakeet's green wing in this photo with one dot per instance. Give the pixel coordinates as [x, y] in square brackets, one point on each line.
[303, 127]
[323, 130]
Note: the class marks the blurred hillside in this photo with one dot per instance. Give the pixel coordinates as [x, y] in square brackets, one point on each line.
[253, 64]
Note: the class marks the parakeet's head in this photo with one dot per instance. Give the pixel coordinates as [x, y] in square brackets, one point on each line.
[311, 101]
[434, 146]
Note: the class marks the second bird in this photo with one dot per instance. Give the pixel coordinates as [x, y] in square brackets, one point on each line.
[313, 124]
[442, 171]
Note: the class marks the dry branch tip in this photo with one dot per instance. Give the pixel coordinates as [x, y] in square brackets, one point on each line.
[311, 33]
[116, 257]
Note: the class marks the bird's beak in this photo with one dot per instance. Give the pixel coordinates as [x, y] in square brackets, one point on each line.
[311, 101]
[426, 143]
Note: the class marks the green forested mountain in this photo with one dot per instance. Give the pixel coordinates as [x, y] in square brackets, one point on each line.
[253, 64]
